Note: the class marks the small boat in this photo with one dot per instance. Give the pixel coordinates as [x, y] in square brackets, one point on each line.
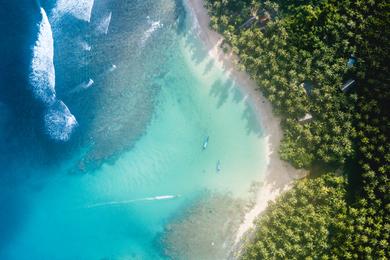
[205, 143]
[218, 166]
[89, 84]
[113, 67]
[82, 86]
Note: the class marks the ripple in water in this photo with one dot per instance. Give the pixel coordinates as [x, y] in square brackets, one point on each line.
[98, 74]
[104, 24]
[141, 127]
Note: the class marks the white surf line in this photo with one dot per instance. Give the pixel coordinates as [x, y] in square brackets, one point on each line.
[59, 122]
[85, 45]
[153, 26]
[123, 202]
[104, 24]
[81, 9]
[42, 72]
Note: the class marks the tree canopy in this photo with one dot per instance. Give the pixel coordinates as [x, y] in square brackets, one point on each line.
[302, 54]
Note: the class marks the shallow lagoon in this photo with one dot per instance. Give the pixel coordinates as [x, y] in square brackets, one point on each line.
[151, 181]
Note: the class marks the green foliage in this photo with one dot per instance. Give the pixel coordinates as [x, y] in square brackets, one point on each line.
[310, 41]
[299, 223]
[361, 233]
[315, 221]
[303, 42]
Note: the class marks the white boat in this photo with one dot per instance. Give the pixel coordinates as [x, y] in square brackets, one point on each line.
[218, 166]
[205, 143]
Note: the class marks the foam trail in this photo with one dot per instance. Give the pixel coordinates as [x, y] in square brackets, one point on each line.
[59, 122]
[85, 46]
[112, 68]
[81, 9]
[123, 202]
[154, 25]
[82, 86]
[104, 24]
[42, 73]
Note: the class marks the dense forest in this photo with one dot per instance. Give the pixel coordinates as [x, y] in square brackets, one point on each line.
[324, 65]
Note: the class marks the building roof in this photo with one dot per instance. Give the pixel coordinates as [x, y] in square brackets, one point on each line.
[347, 85]
[307, 86]
[307, 117]
[248, 22]
[264, 17]
[351, 61]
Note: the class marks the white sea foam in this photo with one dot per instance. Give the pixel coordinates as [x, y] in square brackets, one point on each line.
[123, 202]
[81, 9]
[89, 84]
[59, 122]
[83, 86]
[42, 73]
[85, 45]
[104, 24]
[154, 25]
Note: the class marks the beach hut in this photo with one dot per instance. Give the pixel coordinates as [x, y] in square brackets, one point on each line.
[347, 85]
[264, 16]
[306, 118]
[351, 61]
[307, 87]
[248, 22]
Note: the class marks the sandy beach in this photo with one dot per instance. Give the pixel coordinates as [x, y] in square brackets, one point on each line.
[279, 174]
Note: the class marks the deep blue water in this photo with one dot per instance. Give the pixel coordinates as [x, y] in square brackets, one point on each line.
[26, 149]
[104, 108]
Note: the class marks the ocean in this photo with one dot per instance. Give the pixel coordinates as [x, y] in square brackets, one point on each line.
[121, 138]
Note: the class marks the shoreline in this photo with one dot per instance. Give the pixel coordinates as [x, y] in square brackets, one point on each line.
[279, 174]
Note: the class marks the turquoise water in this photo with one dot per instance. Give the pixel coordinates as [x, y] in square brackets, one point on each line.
[120, 209]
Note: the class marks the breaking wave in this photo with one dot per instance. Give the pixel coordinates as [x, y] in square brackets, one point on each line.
[154, 25]
[104, 24]
[81, 9]
[85, 45]
[59, 122]
[42, 73]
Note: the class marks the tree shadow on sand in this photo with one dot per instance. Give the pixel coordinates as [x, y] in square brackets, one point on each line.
[228, 90]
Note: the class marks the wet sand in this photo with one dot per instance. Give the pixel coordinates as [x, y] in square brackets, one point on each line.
[279, 175]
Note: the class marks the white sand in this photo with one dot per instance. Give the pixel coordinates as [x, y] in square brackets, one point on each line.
[279, 174]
